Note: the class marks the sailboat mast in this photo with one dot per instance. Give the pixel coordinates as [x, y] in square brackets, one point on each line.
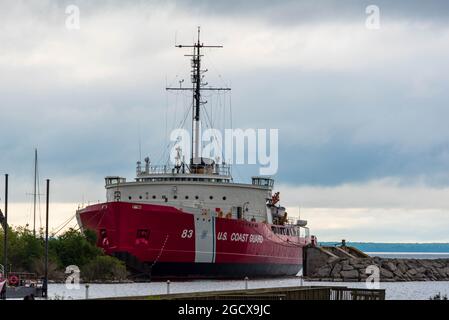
[35, 192]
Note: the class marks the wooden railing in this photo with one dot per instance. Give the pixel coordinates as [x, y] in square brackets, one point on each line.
[285, 293]
[343, 293]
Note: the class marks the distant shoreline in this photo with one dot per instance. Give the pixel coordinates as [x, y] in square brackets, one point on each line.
[396, 248]
[408, 252]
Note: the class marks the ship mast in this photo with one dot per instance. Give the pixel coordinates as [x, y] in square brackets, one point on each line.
[197, 87]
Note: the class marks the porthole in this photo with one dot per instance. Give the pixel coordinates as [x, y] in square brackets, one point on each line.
[187, 197]
[196, 197]
[140, 197]
[224, 198]
[130, 197]
[211, 197]
[175, 197]
[154, 197]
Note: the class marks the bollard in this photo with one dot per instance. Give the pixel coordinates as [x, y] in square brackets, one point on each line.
[168, 286]
[87, 291]
[301, 281]
[246, 283]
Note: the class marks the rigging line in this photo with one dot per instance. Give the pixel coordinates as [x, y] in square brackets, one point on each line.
[210, 62]
[140, 143]
[166, 114]
[65, 221]
[216, 138]
[160, 252]
[65, 224]
[39, 195]
[170, 142]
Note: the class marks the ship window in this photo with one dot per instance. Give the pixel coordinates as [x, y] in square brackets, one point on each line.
[196, 197]
[224, 198]
[143, 234]
[142, 237]
[211, 197]
[175, 197]
[154, 197]
[187, 197]
[140, 197]
[130, 197]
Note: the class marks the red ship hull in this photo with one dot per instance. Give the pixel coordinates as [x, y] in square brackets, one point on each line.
[163, 241]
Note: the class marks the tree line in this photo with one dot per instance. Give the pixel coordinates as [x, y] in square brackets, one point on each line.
[26, 253]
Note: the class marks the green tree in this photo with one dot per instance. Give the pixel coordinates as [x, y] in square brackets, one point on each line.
[73, 248]
[104, 268]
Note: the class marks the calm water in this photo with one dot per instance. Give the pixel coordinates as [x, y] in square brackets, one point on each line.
[395, 291]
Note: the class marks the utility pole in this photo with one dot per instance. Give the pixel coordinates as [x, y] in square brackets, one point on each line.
[45, 284]
[5, 230]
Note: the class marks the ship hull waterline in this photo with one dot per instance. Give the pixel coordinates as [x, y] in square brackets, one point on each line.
[165, 242]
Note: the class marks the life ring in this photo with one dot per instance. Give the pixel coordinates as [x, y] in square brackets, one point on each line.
[13, 280]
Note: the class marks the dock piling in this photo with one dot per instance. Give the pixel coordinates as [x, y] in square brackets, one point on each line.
[87, 292]
[246, 283]
[168, 286]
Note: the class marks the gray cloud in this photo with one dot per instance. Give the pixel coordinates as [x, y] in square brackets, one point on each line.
[352, 105]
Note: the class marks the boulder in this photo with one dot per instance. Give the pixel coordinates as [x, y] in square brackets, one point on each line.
[421, 270]
[384, 273]
[441, 272]
[412, 272]
[350, 274]
[347, 267]
[402, 267]
[323, 272]
[391, 266]
[336, 271]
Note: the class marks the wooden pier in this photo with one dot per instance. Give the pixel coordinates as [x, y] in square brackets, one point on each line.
[285, 293]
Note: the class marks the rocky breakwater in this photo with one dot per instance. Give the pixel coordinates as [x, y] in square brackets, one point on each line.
[354, 270]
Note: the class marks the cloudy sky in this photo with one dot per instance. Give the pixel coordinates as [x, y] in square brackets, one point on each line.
[362, 113]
